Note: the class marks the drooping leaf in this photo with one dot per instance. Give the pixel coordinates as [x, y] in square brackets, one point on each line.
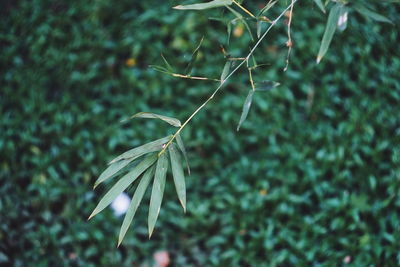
[320, 5]
[123, 183]
[112, 170]
[177, 172]
[246, 107]
[136, 199]
[157, 191]
[266, 8]
[201, 6]
[160, 69]
[169, 67]
[225, 71]
[242, 19]
[193, 58]
[329, 30]
[183, 150]
[149, 115]
[143, 149]
[266, 85]
[363, 10]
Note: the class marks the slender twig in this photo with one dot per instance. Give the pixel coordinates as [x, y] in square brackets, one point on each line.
[193, 77]
[244, 9]
[227, 77]
[289, 42]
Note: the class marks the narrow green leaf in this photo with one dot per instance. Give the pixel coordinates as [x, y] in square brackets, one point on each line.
[148, 115]
[183, 150]
[246, 107]
[160, 69]
[225, 71]
[267, 7]
[141, 150]
[136, 199]
[123, 183]
[112, 170]
[320, 5]
[329, 30]
[193, 58]
[363, 10]
[177, 172]
[157, 191]
[201, 6]
[241, 18]
[169, 68]
[259, 28]
[266, 85]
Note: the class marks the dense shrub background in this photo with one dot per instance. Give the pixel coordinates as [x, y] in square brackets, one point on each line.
[312, 177]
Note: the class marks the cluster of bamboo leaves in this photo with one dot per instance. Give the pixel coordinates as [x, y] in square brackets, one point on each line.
[145, 163]
[150, 162]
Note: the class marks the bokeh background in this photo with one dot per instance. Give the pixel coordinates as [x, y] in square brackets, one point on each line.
[311, 179]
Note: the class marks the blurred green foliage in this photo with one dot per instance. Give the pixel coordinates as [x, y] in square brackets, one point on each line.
[312, 177]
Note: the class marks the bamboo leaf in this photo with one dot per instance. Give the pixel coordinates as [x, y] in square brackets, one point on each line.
[157, 191]
[246, 107]
[363, 10]
[267, 7]
[148, 115]
[329, 30]
[183, 150]
[201, 6]
[169, 68]
[177, 172]
[123, 183]
[225, 71]
[160, 69]
[241, 18]
[143, 149]
[266, 85]
[320, 5]
[193, 58]
[112, 170]
[136, 199]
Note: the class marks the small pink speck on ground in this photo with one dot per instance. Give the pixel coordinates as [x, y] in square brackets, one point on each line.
[347, 259]
[161, 258]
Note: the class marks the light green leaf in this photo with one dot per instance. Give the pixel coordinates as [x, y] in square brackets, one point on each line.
[267, 7]
[177, 172]
[241, 18]
[363, 10]
[136, 152]
[169, 68]
[112, 170]
[183, 150]
[157, 191]
[266, 85]
[225, 71]
[136, 199]
[123, 183]
[148, 115]
[329, 30]
[201, 6]
[246, 107]
[320, 5]
[193, 58]
[160, 69]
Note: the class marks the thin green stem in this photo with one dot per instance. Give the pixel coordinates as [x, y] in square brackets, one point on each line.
[227, 77]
